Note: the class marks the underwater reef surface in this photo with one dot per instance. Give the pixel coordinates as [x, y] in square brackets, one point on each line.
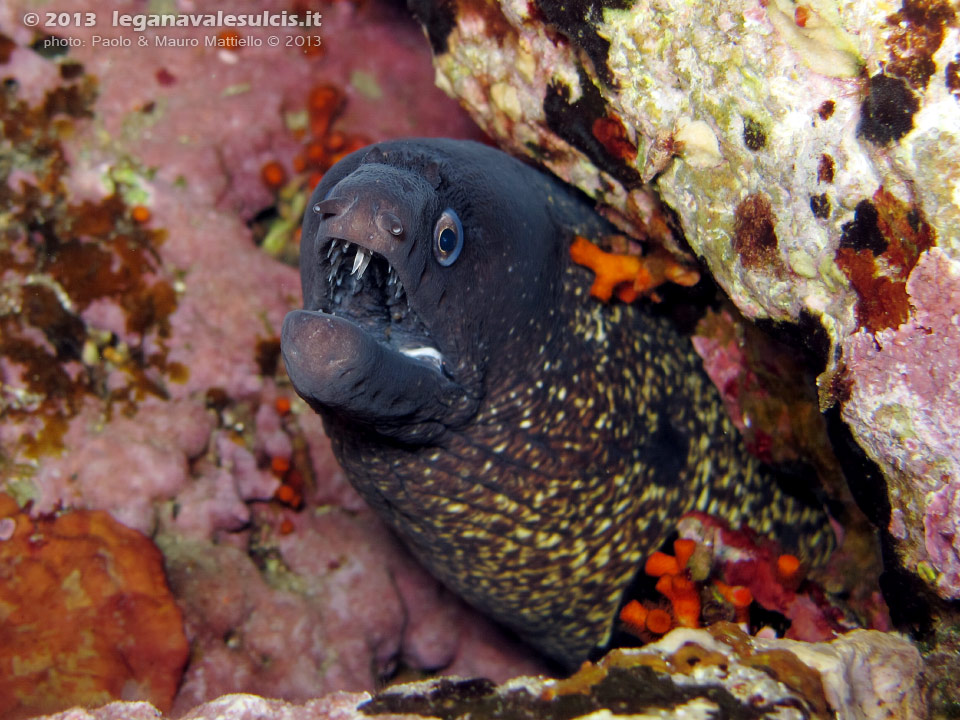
[151, 199]
[808, 154]
[720, 672]
[147, 194]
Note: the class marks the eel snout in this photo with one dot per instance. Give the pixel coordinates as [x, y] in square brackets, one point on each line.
[360, 229]
[321, 353]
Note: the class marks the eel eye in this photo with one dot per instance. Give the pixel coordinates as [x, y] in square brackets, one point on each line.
[447, 238]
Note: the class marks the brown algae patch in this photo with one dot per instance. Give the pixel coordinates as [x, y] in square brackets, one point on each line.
[878, 250]
[58, 258]
[755, 239]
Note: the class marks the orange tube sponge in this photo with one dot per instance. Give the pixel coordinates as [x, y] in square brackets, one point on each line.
[683, 551]
[324, 104]
[273, 175]
[279, 465]
[737, 595]
[88, 617]
[659, 564]
[629, 275]
[140, 214]
[787, 567]
[659, 621]
[684, 599]
[686, 608]
[634, 617]
[289, 496]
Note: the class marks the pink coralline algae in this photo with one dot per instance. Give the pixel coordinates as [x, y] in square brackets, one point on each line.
[320, 609]
[148, 384]
[769, 398]
[905, 393]
[150, 464]
[761, 382]
[940, 535]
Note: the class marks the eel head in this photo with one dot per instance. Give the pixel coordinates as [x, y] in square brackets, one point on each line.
[416, 273]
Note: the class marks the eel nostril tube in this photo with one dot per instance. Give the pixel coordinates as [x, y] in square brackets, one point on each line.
[334, 205]
[391, 223]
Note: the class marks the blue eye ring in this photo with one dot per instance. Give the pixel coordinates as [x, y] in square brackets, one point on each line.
[447, 238]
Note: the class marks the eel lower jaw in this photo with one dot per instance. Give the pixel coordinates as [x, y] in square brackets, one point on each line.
[337, 366]
[318, 346]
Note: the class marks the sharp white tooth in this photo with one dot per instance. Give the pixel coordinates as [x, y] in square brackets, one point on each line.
[333, 246]
[345, 247]
[364, 265]
[360, 262]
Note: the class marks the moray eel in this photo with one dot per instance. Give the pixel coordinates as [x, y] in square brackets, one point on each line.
[530, 445]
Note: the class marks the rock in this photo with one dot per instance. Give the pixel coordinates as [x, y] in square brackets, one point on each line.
[812, 156]
[86, 614]
[905, 399]
[865, 675]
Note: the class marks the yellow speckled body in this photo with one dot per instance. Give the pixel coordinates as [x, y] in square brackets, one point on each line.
[591, 430]
[542, 511]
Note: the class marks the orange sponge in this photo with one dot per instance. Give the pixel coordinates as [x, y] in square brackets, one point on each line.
[630, 276]
[87, 615]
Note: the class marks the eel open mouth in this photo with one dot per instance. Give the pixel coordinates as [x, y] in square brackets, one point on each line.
[362, 286]
[349, 261]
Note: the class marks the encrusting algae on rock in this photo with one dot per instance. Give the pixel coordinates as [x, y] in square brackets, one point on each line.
[87, 615]
[60, 261]
[718, 672]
